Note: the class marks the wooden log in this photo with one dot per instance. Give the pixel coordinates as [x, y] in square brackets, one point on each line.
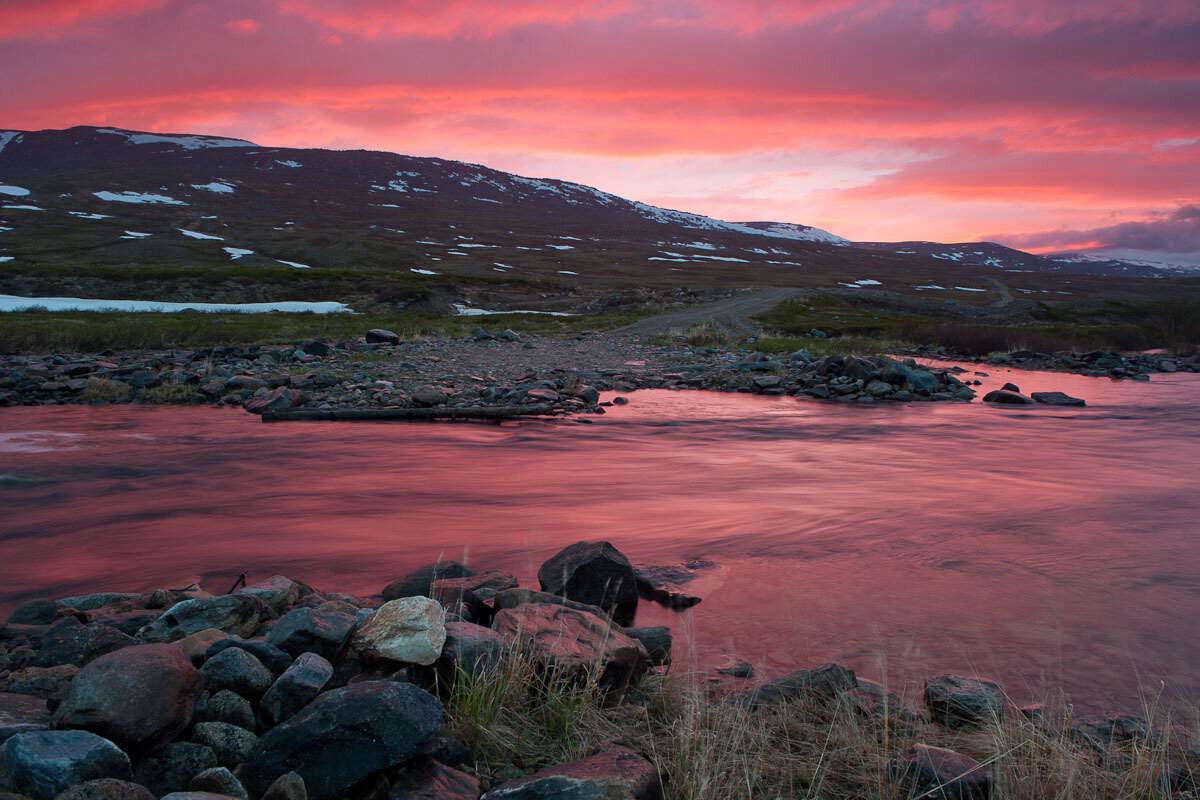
[355, 414]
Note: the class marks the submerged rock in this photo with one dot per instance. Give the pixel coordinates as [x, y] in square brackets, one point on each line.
[1007, 398]
[1057, 399]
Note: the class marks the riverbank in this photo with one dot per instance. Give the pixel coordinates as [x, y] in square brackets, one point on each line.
[563, 374]
[455, 684]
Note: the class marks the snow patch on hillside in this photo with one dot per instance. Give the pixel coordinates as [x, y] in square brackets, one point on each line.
[13, 191]
[197, 235]
[6, 137]
[187, 142]
[140, 198]
[215, 186]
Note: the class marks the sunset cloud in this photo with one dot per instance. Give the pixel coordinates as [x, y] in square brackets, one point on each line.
[935, 119]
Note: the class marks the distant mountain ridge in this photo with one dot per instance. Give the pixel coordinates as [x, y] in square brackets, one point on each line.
[109, 202]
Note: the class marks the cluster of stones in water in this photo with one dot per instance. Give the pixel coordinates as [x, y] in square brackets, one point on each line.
[282, 692]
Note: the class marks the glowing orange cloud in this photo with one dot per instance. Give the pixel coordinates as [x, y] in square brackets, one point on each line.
[24, 18]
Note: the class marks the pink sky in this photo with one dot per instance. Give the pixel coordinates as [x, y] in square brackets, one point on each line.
[1044, 123]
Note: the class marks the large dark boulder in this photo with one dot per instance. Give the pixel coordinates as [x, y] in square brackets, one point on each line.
[268, 654]
[382, 336]
[141, 697]
[419, 580]
[43, 763]
[344, 736]
[615, 772]
[308, 630]
[595, 573]
[22, 713]
[70, 642]
[235, 614]
[296, 687]
[959, 701]
[657, 641]
[937, 772]
[573, 643]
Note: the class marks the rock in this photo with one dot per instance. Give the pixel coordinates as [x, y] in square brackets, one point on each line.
[106, 789]
[239, 383]
[238, 671]
[1010, 387]
[615, 772]
[736, 668]
[428, 396]
[509, 335]
[464, 602]
[588, 394]
[268, 654]
[470, 649]
[1106, 732]
[595, 573]
[822, 684]
[22, 713]
[48, 683]
[426, 779]
[172, 768]
[220, 781]
[873, 700]
[289, 786]
[296, 687]
[936, 772]
[1007, 398]
[480, 334]
[128, 622]
[766, 382]
[315, 347]
[484, 585]
[140, 697]
[198, 645]
[229, 743]
[276, 592]
[279, 399]
[957, 701]
[344, 736]
[236, 614]
[922, 382]
[511, 598]
[895, 373]
[39, 611]
[69, 642]
[663, 584]
[1167, 366]
[41, 764]
[227, 706]
[410, 630]
[381, 336]
[91, 602]
[419, 580]
[656, 640]
[542, 395]
[306, 630]
[1057, 399]
[573, 642]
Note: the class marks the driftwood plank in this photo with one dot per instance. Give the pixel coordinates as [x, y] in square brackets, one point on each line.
[348, 414]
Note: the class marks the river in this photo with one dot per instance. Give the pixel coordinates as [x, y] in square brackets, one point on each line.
[1050, 548]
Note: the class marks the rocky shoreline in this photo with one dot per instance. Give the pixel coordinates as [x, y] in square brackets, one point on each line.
[507, 370]
[282, 692]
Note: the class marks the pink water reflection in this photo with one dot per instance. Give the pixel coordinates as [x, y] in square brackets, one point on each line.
[1038, 545]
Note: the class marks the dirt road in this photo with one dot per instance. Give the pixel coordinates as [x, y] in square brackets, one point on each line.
[731, 313]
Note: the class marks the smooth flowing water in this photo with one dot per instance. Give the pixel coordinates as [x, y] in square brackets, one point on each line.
[1046, 547]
